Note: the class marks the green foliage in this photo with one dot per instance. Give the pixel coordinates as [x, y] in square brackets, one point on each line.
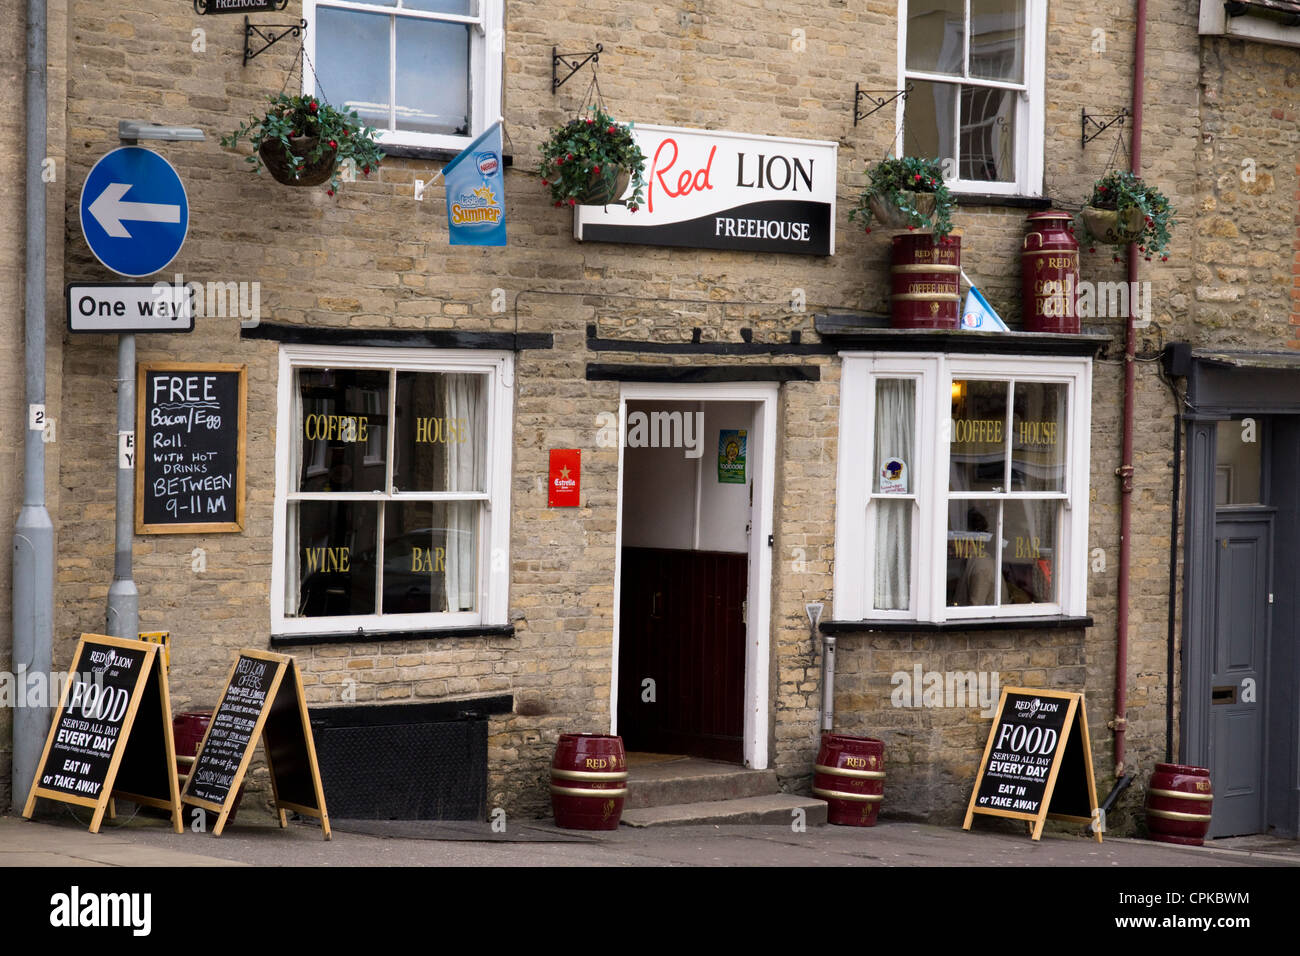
[297, 116]
[894, 180]
[1123, 192]
[587, 146]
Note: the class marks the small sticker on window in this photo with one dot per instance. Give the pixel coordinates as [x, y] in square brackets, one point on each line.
[893, 477]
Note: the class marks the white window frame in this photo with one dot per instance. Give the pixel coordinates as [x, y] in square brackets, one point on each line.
[1030, 106]
[486, 55]
[494, 532]
[854, 574]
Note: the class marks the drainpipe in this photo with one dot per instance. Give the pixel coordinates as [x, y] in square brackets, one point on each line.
[1125, 470]
[33, 555]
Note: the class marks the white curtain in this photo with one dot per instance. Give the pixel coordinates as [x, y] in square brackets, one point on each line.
[895, 438]
[293, 579]
[466, 464]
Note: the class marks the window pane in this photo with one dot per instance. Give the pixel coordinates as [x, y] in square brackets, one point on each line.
[331, 569]
[342, 441]
[929, 114]
[893, 554]
[430, 557]
[465, 8]
[978, 449]
[1038, 439]
[997, 40]
[973, 554]
[1029, 551]
[441, 442]
[936, 36]
[988, 134]
[895, 439]
[1237, 463]
[352, 65]
[432, 76]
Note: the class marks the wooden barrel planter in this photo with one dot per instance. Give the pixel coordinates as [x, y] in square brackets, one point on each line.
[924, 291]
[1179, 801]
[588, 781]
[850, 776]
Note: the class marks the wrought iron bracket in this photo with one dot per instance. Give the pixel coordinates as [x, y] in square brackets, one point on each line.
[268, 39]
[876, 102]
[1098, 127]
[570, 63]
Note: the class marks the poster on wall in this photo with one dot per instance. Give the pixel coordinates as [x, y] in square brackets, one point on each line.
[707, 189]
[731, 456]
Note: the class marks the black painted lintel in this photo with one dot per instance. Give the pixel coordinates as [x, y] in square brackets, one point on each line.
[294, 334]
[694, 374]
[379, 637]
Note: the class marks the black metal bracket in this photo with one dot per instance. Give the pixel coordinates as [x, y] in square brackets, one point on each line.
[269, 39]
[261, 6]
[1098, 126]
[571, 64]
[876, 102]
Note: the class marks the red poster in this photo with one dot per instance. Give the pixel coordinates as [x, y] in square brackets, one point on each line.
[566, 469]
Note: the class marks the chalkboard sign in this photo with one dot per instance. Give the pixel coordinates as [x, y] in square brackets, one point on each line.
[112, 733]
[1035, 734]
[263, 698]
[189, 473]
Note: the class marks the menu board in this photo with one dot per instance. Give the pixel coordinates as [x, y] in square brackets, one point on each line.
[1034, 734]
[190, 425]
[114, 687]
[230, 737]
[263, 698]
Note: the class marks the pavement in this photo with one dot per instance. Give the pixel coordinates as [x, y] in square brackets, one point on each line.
[61, 839]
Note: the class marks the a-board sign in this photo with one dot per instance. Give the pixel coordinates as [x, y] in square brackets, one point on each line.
[189, 472]
[263, 698]
[112, 733]
[1037, 762]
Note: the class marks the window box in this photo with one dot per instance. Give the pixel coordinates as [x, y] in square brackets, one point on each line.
[424, 73]
[977, 72]
[392, 490]
[963, 487]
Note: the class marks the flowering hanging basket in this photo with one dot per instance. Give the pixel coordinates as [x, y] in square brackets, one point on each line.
[906, 193]
[1123, 209]
[605, 188]
[894, 216]
[593, 161]
[292, 166]
[1109, 227]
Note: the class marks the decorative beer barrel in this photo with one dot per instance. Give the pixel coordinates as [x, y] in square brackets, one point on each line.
[924, 291]
[850, 776]
[1049, 271]
[1179, 801]
[588, 781]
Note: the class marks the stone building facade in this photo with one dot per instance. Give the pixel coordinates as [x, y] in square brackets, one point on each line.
[571, 333]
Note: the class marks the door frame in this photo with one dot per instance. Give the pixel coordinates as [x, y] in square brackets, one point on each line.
[764, 397]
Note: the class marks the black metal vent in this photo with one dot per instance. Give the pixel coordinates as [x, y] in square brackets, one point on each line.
[405, 762]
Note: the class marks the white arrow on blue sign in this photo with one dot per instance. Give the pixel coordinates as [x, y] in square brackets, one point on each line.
[134, 212]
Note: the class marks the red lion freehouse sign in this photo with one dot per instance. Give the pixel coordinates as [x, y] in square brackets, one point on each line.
[717, 190]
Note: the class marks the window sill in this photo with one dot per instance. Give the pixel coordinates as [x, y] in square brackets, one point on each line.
[1046, 623]
[435, 153]
[360, 636]
[995, 199]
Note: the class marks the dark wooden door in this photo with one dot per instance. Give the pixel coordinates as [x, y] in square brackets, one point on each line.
[681, 669]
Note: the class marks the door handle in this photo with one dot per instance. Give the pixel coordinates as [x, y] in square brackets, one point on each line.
[1224, 695]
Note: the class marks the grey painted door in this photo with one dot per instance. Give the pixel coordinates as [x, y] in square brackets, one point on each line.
[1238, 686]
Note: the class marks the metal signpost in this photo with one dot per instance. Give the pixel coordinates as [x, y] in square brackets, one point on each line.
[134, 215]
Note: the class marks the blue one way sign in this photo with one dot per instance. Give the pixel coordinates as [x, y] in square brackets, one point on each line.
[134, 213]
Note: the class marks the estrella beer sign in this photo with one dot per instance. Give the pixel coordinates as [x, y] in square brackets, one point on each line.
[717, 190]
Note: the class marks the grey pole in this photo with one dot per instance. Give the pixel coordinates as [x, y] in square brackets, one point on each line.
[123, 598]
[33, 568]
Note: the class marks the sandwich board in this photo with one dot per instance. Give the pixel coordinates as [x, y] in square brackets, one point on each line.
[112, 734]
[1037, 762]
[263, 697]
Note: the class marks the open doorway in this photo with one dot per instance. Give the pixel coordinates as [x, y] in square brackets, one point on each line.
[694, 570]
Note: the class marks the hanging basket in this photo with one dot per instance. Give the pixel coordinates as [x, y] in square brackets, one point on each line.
[1106, 225]
[310, 173]
[891, 216]
[605, 187]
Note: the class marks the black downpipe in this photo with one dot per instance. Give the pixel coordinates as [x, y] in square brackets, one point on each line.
[1173, 584]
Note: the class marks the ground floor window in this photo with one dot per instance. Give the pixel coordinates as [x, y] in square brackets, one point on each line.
[392, 489]
[963, 487]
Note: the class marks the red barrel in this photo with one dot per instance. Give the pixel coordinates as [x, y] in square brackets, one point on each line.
[588, 781]
[1179, 800]
[850, 776]
[923, 282]
[1049, 270]
[187, 732]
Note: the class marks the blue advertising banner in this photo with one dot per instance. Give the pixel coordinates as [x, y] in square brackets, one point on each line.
[476, 193]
